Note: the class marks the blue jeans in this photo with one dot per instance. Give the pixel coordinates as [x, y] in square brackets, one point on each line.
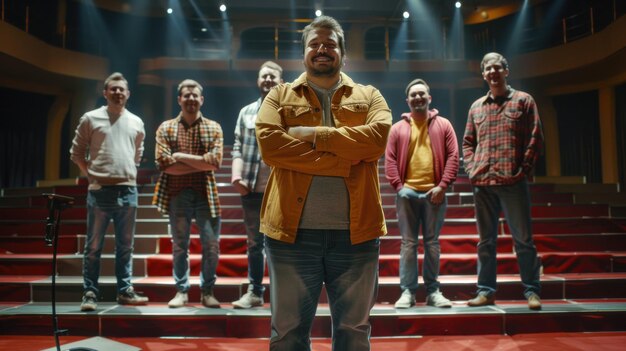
[297, 273]
[251, 204]
[186, 205]
[514, 201]
[117, 203]
[415, 211]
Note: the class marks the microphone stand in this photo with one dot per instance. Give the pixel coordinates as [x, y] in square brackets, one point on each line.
[56, 203]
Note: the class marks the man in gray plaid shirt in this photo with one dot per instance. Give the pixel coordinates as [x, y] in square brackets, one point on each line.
[249, 177]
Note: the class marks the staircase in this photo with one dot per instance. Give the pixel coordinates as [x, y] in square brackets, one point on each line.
[580, 236]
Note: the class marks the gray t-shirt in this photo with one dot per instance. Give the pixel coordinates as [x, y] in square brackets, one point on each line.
[327, 204]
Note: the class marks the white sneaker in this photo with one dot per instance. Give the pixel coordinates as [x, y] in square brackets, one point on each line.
[437, 299]
[249, 300]
[179, 300]
[90, 302]
[406, 300]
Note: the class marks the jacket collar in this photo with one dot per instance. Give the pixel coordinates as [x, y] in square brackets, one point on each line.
[347, 84]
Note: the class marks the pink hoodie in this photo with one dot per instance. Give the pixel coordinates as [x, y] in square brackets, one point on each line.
[443, 143]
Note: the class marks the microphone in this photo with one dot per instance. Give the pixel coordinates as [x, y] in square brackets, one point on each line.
[58, 200]
[50, 226]
[55, 203]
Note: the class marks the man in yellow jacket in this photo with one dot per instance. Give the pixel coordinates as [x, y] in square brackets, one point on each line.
[322, 135]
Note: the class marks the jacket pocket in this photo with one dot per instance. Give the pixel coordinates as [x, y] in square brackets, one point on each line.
[351, 115]
[297, 116]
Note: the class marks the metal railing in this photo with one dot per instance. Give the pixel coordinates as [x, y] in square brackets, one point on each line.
[387, 45]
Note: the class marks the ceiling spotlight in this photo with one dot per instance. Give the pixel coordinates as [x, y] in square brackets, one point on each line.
[457, 4]
[406, 14]
[169, 11]
[223, 8]
[318, 13]
[203, 29]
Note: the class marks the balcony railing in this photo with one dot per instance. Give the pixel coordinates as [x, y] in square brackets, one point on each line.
[387, 40]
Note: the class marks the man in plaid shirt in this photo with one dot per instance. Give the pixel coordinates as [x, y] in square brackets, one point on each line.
[189, 149]
[249, 177]
[503, 139]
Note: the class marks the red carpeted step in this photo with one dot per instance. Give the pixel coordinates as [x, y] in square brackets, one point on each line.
[17, 288]
[507, 317]
[40, 201]
[593, 285]
[590, 262]
[619, 262]
[454, 264]
[451, 226]
[15, 201]
[543, 242]
[230, 199]
[576, 262]
[25, 264]
[229, 244]
[40, 213]
[229, 265]
[158, 289]
[538, 211]
[551, 198]
[575, 225]
[236, 244]
[232, 211]
[36, 245]
[580, 242]
[456, 287]
[78, 226]
[9, 228]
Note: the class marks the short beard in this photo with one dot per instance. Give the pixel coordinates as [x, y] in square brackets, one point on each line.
[423, 108]
[329, 72]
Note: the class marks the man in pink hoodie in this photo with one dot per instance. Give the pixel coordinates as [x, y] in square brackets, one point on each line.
[421, 162]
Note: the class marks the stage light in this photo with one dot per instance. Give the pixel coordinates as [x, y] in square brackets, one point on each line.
[406, 14]
[203, 29]
[223, 8]
[457, 4]
[169, 11]
[318, 13]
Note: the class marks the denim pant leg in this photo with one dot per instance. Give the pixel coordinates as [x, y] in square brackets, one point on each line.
[434, 216]
[296, 278]
[352, 286]
[124, 222]
[251, 204]
[209, 228]
[98, 219]
[487, 207]
[515, 201]
[180, 214]
[408, 210]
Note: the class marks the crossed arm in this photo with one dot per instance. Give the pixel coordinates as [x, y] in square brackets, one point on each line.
[188, 163]
[336, 149]
[180, 163]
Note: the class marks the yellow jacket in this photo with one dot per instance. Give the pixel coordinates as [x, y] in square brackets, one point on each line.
[362, 119]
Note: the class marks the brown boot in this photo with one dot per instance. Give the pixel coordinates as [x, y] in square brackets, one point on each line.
[482, 300]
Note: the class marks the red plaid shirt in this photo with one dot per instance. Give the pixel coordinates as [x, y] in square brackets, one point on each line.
[203, 136]
[503, 138]
[189, 142]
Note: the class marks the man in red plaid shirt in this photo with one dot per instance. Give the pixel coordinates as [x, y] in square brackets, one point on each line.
[503, 139]
[189, 149]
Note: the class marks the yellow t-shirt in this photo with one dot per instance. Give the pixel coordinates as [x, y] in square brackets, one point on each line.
[420, 174]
